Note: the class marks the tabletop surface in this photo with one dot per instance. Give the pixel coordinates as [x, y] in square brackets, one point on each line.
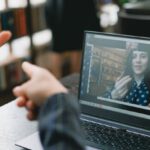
[14, 125]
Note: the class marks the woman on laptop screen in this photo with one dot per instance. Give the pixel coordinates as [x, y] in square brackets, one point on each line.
[133, 85]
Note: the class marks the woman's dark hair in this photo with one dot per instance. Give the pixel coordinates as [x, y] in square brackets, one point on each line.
[129, 70]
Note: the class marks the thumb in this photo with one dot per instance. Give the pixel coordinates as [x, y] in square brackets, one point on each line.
[29, 68]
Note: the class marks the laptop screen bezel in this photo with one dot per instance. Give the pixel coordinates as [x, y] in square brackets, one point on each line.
[127, 119]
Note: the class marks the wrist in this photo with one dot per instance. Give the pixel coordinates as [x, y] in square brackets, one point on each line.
[54, 91]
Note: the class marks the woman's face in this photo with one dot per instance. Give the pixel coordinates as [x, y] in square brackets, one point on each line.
[139, 62]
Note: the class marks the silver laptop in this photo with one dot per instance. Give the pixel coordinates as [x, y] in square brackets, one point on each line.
[114, 91]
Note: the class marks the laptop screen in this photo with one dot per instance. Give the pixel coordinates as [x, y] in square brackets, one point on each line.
[115, 77]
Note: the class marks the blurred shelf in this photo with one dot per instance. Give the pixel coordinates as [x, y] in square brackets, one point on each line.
[10, 59]
[21, 47]
[2, 5]
[35, 3]
[24, 18]
[46, 38]
[17, 3]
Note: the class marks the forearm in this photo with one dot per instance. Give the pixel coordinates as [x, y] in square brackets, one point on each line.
[59, 123]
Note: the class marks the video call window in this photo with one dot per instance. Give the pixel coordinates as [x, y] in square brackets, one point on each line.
[121, 74]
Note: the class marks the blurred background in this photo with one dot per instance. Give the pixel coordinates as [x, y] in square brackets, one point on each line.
[49, 33]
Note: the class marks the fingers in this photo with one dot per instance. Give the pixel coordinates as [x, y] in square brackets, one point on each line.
[22, 90]
[21, 102]
[123, 79]
[123, 82]
[121, 88]
[119, 93]
[25, 91]
[19, 92]
[122, 93]
[121, 76]
[32, 110]
[29, 68]
[31, 107]
[4, 37]
[31, 116]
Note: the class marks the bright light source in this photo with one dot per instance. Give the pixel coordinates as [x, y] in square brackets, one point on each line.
[42, 37]
[17, 3]
[2, 5]
[37, 2]
[4, 52]
[109, 15]
[21, 47]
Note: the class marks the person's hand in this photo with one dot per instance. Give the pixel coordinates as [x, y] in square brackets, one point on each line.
[121, 87]
[40, 86]
[4, 37]
[31, 107]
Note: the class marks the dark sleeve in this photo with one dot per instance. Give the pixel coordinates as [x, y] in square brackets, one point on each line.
[59, 123]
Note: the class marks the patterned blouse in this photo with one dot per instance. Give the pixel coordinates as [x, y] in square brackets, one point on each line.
[138, 94]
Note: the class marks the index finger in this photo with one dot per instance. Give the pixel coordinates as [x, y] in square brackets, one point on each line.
[124, 82]
[124, 78]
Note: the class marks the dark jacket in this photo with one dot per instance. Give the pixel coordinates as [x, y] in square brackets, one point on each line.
[59, 123]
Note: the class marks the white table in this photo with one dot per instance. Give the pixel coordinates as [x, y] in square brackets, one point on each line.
[14, 126]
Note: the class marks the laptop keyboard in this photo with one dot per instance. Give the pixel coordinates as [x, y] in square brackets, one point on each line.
[114, 139]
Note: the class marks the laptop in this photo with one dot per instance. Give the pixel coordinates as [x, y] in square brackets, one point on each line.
[114, 91]
[110, 123]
